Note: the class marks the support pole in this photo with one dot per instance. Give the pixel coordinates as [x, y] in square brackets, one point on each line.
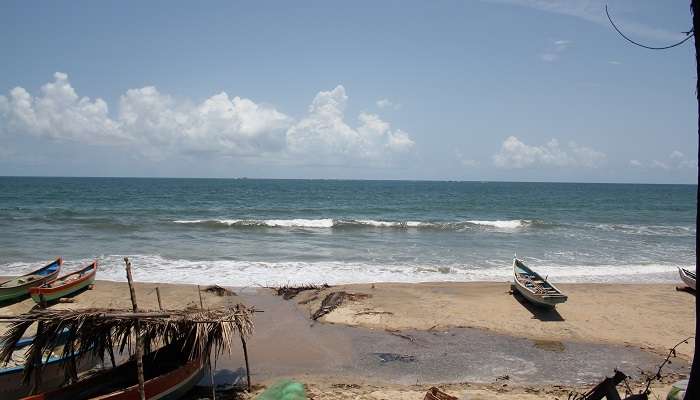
[245, 350]
[693, 391]
[160, 304]
[139, 341]
[201, 302]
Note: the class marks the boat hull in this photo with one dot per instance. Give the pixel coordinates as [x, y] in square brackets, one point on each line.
[53, 376]
[548, 298]
[687, 279]
[21, 290]
[44, 294]
[167, 378]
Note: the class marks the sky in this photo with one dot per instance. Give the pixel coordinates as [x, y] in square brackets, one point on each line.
[509, 90]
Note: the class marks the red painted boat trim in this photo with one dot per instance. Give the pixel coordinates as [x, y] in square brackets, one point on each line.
[48, 290]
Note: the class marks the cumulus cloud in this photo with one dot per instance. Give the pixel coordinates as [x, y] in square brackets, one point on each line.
[516, 154]
[58, 113]
[324, 131]
[159, 124]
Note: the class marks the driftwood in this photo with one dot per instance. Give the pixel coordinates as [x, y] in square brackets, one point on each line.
[290, 292]
[334, 300]
[437, 394]
[608, 387]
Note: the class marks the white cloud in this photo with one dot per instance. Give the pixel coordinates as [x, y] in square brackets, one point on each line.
[594, 11]
[324, 132]
[386, 103]
[676, 160]
[158, 125]
[58, 113]
[613, 62]
[516, 154]
[635, 163]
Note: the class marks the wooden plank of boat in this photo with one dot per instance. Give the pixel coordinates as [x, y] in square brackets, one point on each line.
[65, 285]
[688, 277]
[12, 385]
[19, 287]
[168, 377]
[534, 288]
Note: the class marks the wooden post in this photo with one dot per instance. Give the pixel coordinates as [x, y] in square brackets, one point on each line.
[160, 305]
[201, 302]
[245, 353]
[211, 379]
[139, 341]
[37, 363]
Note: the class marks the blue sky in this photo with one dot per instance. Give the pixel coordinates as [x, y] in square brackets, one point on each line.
[468, 90]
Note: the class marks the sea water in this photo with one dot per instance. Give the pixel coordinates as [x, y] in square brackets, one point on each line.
[244, 232]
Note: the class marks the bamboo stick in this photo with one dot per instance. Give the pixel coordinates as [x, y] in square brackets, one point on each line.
[139, 341]
[160, 304]
[201, 303]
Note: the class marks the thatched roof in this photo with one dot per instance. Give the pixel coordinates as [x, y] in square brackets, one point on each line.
[96, 331]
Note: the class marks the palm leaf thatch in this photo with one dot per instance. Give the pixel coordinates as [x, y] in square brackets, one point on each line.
[94, 331]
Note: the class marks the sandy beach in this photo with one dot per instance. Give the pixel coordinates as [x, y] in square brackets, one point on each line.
[471, 339]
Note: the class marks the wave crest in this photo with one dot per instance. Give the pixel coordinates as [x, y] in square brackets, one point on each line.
[356, 223]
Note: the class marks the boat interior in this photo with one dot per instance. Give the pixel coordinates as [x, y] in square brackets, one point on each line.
[156, 363]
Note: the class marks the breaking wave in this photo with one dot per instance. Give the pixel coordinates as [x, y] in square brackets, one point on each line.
[359, 223]
[156, 268]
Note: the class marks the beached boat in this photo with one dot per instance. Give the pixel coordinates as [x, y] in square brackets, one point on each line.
[534, 288]
[12, 385]
[687, 277]
[18, 287]
[168, 375]
[65, 285]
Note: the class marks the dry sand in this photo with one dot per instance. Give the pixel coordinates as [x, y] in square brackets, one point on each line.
[650, 316]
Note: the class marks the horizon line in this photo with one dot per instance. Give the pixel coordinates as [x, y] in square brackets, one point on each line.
[342, 179]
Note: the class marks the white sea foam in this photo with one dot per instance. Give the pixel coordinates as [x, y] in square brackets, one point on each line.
[300, 222]
[154, 268]
[507, 224]
[331, 223]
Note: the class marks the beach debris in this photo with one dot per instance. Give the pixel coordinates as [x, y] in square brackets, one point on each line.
[608, 387]
[284, 390]
[289, 292]
[390, 357]
[401, 335]
[219, 291]
[437, 394]
[334, 300]
[370, 312]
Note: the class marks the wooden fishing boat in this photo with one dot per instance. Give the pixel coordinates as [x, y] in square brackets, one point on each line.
[167, 377]
[534, 288]
[65, 285]
[18, 287]
[12, 385]
[687, 277]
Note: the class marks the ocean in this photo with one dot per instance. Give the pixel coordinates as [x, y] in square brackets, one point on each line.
[245, 232]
